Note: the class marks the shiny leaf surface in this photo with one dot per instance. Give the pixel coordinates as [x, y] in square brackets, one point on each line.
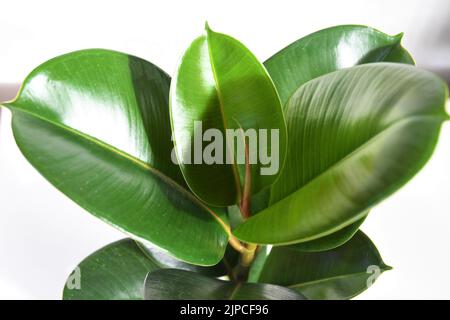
[95, 123]
[323, 52]
[355, 137]
[329, 50]
[118, 270]
[115, 272]
[341, 273]
[220, 84]
[173, 284]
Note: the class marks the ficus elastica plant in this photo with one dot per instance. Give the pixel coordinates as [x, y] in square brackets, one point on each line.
[234, 178]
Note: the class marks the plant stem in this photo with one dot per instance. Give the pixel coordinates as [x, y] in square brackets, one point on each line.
[245, 261]
[246, 193]
[247, 251]
[236, 244]
[248, 256]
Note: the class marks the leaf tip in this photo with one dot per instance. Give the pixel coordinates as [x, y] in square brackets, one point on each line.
[387, 268]
[398, 37]
[5, 104]
[207, 28]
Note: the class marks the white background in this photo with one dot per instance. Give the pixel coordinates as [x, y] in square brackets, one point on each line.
[43, 234]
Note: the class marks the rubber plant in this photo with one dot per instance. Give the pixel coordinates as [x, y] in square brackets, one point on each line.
[355, 120]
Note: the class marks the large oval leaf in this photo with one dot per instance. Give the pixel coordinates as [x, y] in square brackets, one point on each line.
[95, 123]
[329, 50]
[118, 270]
[341, 273]
[320, 53]
[220, 85]
[174, 284]
[356, 136]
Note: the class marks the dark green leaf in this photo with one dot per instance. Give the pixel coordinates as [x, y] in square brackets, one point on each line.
[220, 83]
[355, 136]
[173, 284]
[95, 123]
[341, 273]
[329, 50]
[118, 270]
[115, 272]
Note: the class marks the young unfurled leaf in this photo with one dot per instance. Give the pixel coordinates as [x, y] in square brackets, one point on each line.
[220, 87]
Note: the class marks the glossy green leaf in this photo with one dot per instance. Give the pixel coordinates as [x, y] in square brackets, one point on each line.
[323, 52]
[329, 50]
[341, 273]
[96, 124]
[331, 241]
[320, 53]
[221, 84]
[174, 284]
[355, 137]
[118, 270]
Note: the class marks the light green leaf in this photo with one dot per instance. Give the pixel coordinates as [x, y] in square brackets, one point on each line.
[221, 84]
[341, 273]
[173, 284]
[356, 136]
[95, 123]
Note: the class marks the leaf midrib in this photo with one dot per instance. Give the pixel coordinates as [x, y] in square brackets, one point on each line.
[360, 147]
[125, 155]
[222, 113]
